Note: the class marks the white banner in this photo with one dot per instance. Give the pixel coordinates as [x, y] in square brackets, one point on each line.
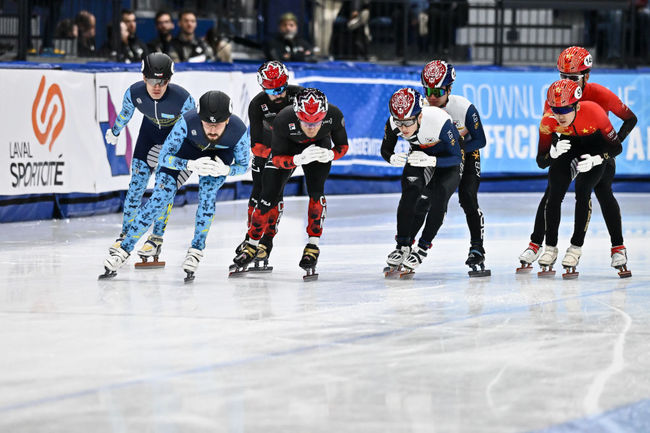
[47, 135]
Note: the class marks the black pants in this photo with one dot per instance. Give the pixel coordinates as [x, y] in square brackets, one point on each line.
[559, 179]
[421, 186]
[257, 170]
[608, 205]
[468, 198]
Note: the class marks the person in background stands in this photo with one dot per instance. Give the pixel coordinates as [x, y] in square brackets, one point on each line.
[163, 43]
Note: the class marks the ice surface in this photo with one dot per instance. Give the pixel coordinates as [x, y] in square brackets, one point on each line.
[351, 352]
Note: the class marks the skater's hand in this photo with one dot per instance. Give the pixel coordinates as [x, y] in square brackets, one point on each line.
[110, 137]
[588, 162]
[421, 159]
[398, 159]
[309, 155]
[560, 148]
[327, 155]
[221, 169]
[202, 166]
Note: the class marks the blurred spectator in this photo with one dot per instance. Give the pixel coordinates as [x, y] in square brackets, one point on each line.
[66, 28]
[219, 42]
[443, 18]
[351, 32]
[163, 43]
[287, 45]
[188, 47]
[136, 46]
[85, 22]
[123, 53]
[642, 27]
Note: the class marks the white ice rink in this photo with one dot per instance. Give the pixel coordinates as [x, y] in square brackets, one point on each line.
[351, 352]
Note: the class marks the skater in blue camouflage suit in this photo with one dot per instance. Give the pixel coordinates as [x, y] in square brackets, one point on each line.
[212, 142]
[161, 104]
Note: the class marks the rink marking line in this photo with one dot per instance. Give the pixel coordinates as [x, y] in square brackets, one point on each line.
[293, 351]
[591, 401]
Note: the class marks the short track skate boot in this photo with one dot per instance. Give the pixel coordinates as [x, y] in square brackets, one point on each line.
[527, 258]
[191, 263]
[395, 260]
[261, 260]
[546, 261]
[240, 247]
[570, 261]
[151, 248]
[242, 260]
[619, 261]
[113, 262]
[413, 261]
[476, 257]
[117, 244]
[308, 262]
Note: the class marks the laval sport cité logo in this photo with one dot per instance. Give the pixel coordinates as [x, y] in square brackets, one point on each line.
[48, 113]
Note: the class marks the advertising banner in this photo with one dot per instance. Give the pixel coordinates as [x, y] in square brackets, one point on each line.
[48, 132]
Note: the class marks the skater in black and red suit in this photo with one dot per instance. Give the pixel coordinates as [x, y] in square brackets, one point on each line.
[276, 94]
[311, 134]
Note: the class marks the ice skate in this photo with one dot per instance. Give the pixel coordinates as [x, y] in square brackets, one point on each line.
[619, 261]
[240, 247]
[261, 260]
[476, 258]
[527, 258]
[570, 261]
[242, 260]
[191, 263]
[395, 259]
[151, 248]
[308, 262]
[546, 261]
[117, 244]
[112, 263]
[411, 263]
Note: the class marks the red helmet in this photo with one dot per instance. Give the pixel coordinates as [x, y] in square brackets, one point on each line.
[310, 105]
[563, 93]
[437, 73]
[405, 103]
[574, 60]
[272, 75]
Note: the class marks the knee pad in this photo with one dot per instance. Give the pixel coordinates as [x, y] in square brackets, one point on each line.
[316, 214]
[422, 204]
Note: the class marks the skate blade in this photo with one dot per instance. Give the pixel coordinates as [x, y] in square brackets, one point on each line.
[406, 274]
[481, 273]
[260, 268]
[107, 275]
[623, 272]
[150, 265]
[310, 275]
[392, 273]
[570, 273]
[546, 274]
[236, 271]
[524, 269]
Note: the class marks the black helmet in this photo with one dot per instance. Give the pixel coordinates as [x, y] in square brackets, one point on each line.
[215, 106]
[158, 65]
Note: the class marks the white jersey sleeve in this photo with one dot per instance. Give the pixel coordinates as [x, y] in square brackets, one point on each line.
[457, 108]
[433, 119]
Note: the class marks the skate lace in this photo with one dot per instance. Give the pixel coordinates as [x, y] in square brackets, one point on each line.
[310, 252]
[619, 249]
[533, 247]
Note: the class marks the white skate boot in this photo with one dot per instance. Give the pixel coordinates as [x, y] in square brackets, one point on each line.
[527, 258]
[117, 244]
[113, 262]
[619, 261]
[570, 261]
[395, 259]
[413, 261]
[151, 248]
[191, 263]
[546, 261]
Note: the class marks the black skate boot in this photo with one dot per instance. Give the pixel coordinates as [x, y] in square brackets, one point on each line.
[261, 261]
[476, 258]
[243, 259]
[240, 247]
[308, 262]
